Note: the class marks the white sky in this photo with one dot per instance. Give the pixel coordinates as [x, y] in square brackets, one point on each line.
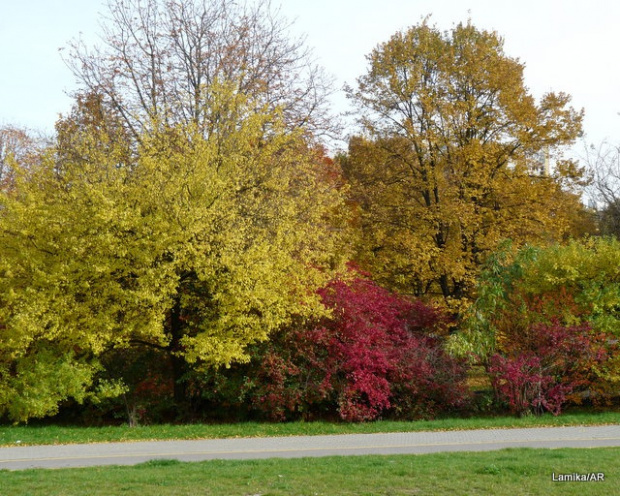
[566, 45]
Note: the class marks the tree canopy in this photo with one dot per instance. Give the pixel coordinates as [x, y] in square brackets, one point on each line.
[558, 304]
[199, 246]
[185, 217]
[449, 162]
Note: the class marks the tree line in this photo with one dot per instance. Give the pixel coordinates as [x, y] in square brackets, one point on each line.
[184, 244]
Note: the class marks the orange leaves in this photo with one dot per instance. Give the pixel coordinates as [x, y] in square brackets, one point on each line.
[445, 172]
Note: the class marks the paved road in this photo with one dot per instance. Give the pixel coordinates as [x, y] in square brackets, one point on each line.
[83, 455]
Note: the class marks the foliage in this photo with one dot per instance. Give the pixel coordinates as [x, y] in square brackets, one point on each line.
[144, 381]
[551, 313]
[17, 146]
[41, 380]
[184, 210]
[450, 162]
[378, 354]
[542, 364]
[198, 247]
[520, 383]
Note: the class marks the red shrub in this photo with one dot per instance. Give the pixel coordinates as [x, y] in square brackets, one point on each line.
[374, 356]
[543, 365]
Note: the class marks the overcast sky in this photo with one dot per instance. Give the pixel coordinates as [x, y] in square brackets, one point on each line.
[566, 45]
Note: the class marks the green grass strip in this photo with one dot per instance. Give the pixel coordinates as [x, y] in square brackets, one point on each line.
[50, 434]
[511, 472]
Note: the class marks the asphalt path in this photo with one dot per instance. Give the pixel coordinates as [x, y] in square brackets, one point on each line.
[130, 453]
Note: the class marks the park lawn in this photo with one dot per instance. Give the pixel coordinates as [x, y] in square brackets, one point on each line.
[55, 434]
[510, 472]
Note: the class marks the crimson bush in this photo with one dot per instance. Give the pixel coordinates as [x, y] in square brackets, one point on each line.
[378, 355]
[544, 364]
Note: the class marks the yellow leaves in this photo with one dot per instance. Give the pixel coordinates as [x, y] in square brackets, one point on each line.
[42, 380]
[205, 242]
[446, 171]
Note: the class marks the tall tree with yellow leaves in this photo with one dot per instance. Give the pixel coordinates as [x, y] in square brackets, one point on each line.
[449, 162]
[197, 247]
[184, 207]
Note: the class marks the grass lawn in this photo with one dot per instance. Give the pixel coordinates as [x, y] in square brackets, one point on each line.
[510, 472]
[50, 434]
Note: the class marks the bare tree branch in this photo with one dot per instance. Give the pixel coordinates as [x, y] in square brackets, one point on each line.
[159, 57]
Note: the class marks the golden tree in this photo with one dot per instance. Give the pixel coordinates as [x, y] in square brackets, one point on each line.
[449, 162]
[185, 207]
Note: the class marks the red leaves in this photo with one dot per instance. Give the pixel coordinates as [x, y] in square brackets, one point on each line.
[544, 365]
[374, 357]
[519, 381]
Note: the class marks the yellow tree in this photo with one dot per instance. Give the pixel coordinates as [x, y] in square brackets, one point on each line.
[198, 247]
[449, 162]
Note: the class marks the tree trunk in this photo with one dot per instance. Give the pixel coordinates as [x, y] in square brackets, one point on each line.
[179, 365]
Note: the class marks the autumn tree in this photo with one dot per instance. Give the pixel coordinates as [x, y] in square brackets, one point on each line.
[199, 246]
[17, 146]
[450, 159]
[158, 59]
[185, 207]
